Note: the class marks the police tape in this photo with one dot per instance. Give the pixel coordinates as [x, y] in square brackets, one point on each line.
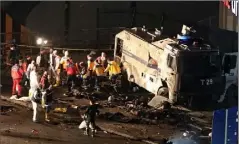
[57, 48]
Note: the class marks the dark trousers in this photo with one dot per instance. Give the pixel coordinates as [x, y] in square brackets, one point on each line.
[113, 78]
[98, 80]
[92, 123]
[70, 81]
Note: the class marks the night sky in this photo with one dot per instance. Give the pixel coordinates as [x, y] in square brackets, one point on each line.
[48, 17]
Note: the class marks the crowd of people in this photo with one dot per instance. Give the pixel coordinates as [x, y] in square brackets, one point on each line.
[50, 70]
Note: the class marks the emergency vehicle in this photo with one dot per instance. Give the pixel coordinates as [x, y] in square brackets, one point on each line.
[182, 69]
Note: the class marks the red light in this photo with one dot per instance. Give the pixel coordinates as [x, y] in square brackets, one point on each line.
[227, 3]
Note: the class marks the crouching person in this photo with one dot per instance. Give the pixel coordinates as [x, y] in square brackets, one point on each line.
[89, 118]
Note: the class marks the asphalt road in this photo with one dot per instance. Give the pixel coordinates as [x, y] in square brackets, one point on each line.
[16, 127]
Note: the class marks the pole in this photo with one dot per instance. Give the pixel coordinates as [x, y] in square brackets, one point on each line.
[67, 19]
[134, 10]
[97, 26]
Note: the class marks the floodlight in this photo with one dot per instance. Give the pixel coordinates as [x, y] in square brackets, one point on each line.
[39, 41]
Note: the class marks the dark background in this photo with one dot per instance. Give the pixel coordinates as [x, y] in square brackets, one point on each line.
[50, 18]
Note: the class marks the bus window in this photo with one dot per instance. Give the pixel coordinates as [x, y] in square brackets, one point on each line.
[119, 47]
[171, 63]
[152, 63]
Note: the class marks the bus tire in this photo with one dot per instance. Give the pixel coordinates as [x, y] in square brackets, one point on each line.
[162, 91]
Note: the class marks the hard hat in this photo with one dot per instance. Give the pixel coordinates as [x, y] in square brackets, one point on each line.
[66, 53]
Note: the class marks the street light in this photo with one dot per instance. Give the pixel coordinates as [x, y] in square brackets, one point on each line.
[39, 41]
[45, 41]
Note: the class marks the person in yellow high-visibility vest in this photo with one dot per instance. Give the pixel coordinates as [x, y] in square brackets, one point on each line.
[90, 64]
[98, 71]
[114, 70]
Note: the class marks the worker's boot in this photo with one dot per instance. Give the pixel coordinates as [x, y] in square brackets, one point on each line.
[86, 132]
[92, 132]
[47, 118]
[57, 84]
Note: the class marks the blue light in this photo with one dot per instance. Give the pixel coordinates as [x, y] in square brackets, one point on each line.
[181, 37]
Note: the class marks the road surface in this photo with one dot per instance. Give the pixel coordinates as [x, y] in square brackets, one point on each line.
[16, 127]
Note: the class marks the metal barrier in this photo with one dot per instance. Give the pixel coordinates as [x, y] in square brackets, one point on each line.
[85, 37]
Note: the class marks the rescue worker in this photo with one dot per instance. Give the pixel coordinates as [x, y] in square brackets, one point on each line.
[83, 72]
[57, 68]
[71, 74]
[90, 116]
[17, 74]
[63, 64]
[51, 63]
[114, 70]
[42, 62]
[29, 60]
[23, 65]
[90, 64]
[46, 91]
[102, 59]
[98, 71]
[30, 68]
[34, 92]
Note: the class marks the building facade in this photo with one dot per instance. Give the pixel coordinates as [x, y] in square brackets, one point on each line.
[228, 15]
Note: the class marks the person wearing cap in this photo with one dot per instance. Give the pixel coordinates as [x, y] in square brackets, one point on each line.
[98, 71]
[71, 74]
[17, 74]
[113, 68]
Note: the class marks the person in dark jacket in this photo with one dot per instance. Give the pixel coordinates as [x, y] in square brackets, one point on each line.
[46, 94]
[13, 55]
[90, 116]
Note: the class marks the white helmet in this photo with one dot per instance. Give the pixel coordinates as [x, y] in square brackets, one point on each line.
[66, 53]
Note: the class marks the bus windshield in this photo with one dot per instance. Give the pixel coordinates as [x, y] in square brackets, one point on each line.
[200, 64]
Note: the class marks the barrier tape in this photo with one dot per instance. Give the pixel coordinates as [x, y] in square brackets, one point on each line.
[69, 49]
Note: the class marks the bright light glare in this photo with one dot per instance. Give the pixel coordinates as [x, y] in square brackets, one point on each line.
[39, 41]
[45, 41]
[185, 134]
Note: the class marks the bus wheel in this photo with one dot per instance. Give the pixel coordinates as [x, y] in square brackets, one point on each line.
[163, 91]
[231, 96]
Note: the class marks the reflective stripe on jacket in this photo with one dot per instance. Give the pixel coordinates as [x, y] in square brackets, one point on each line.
[16, 72]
